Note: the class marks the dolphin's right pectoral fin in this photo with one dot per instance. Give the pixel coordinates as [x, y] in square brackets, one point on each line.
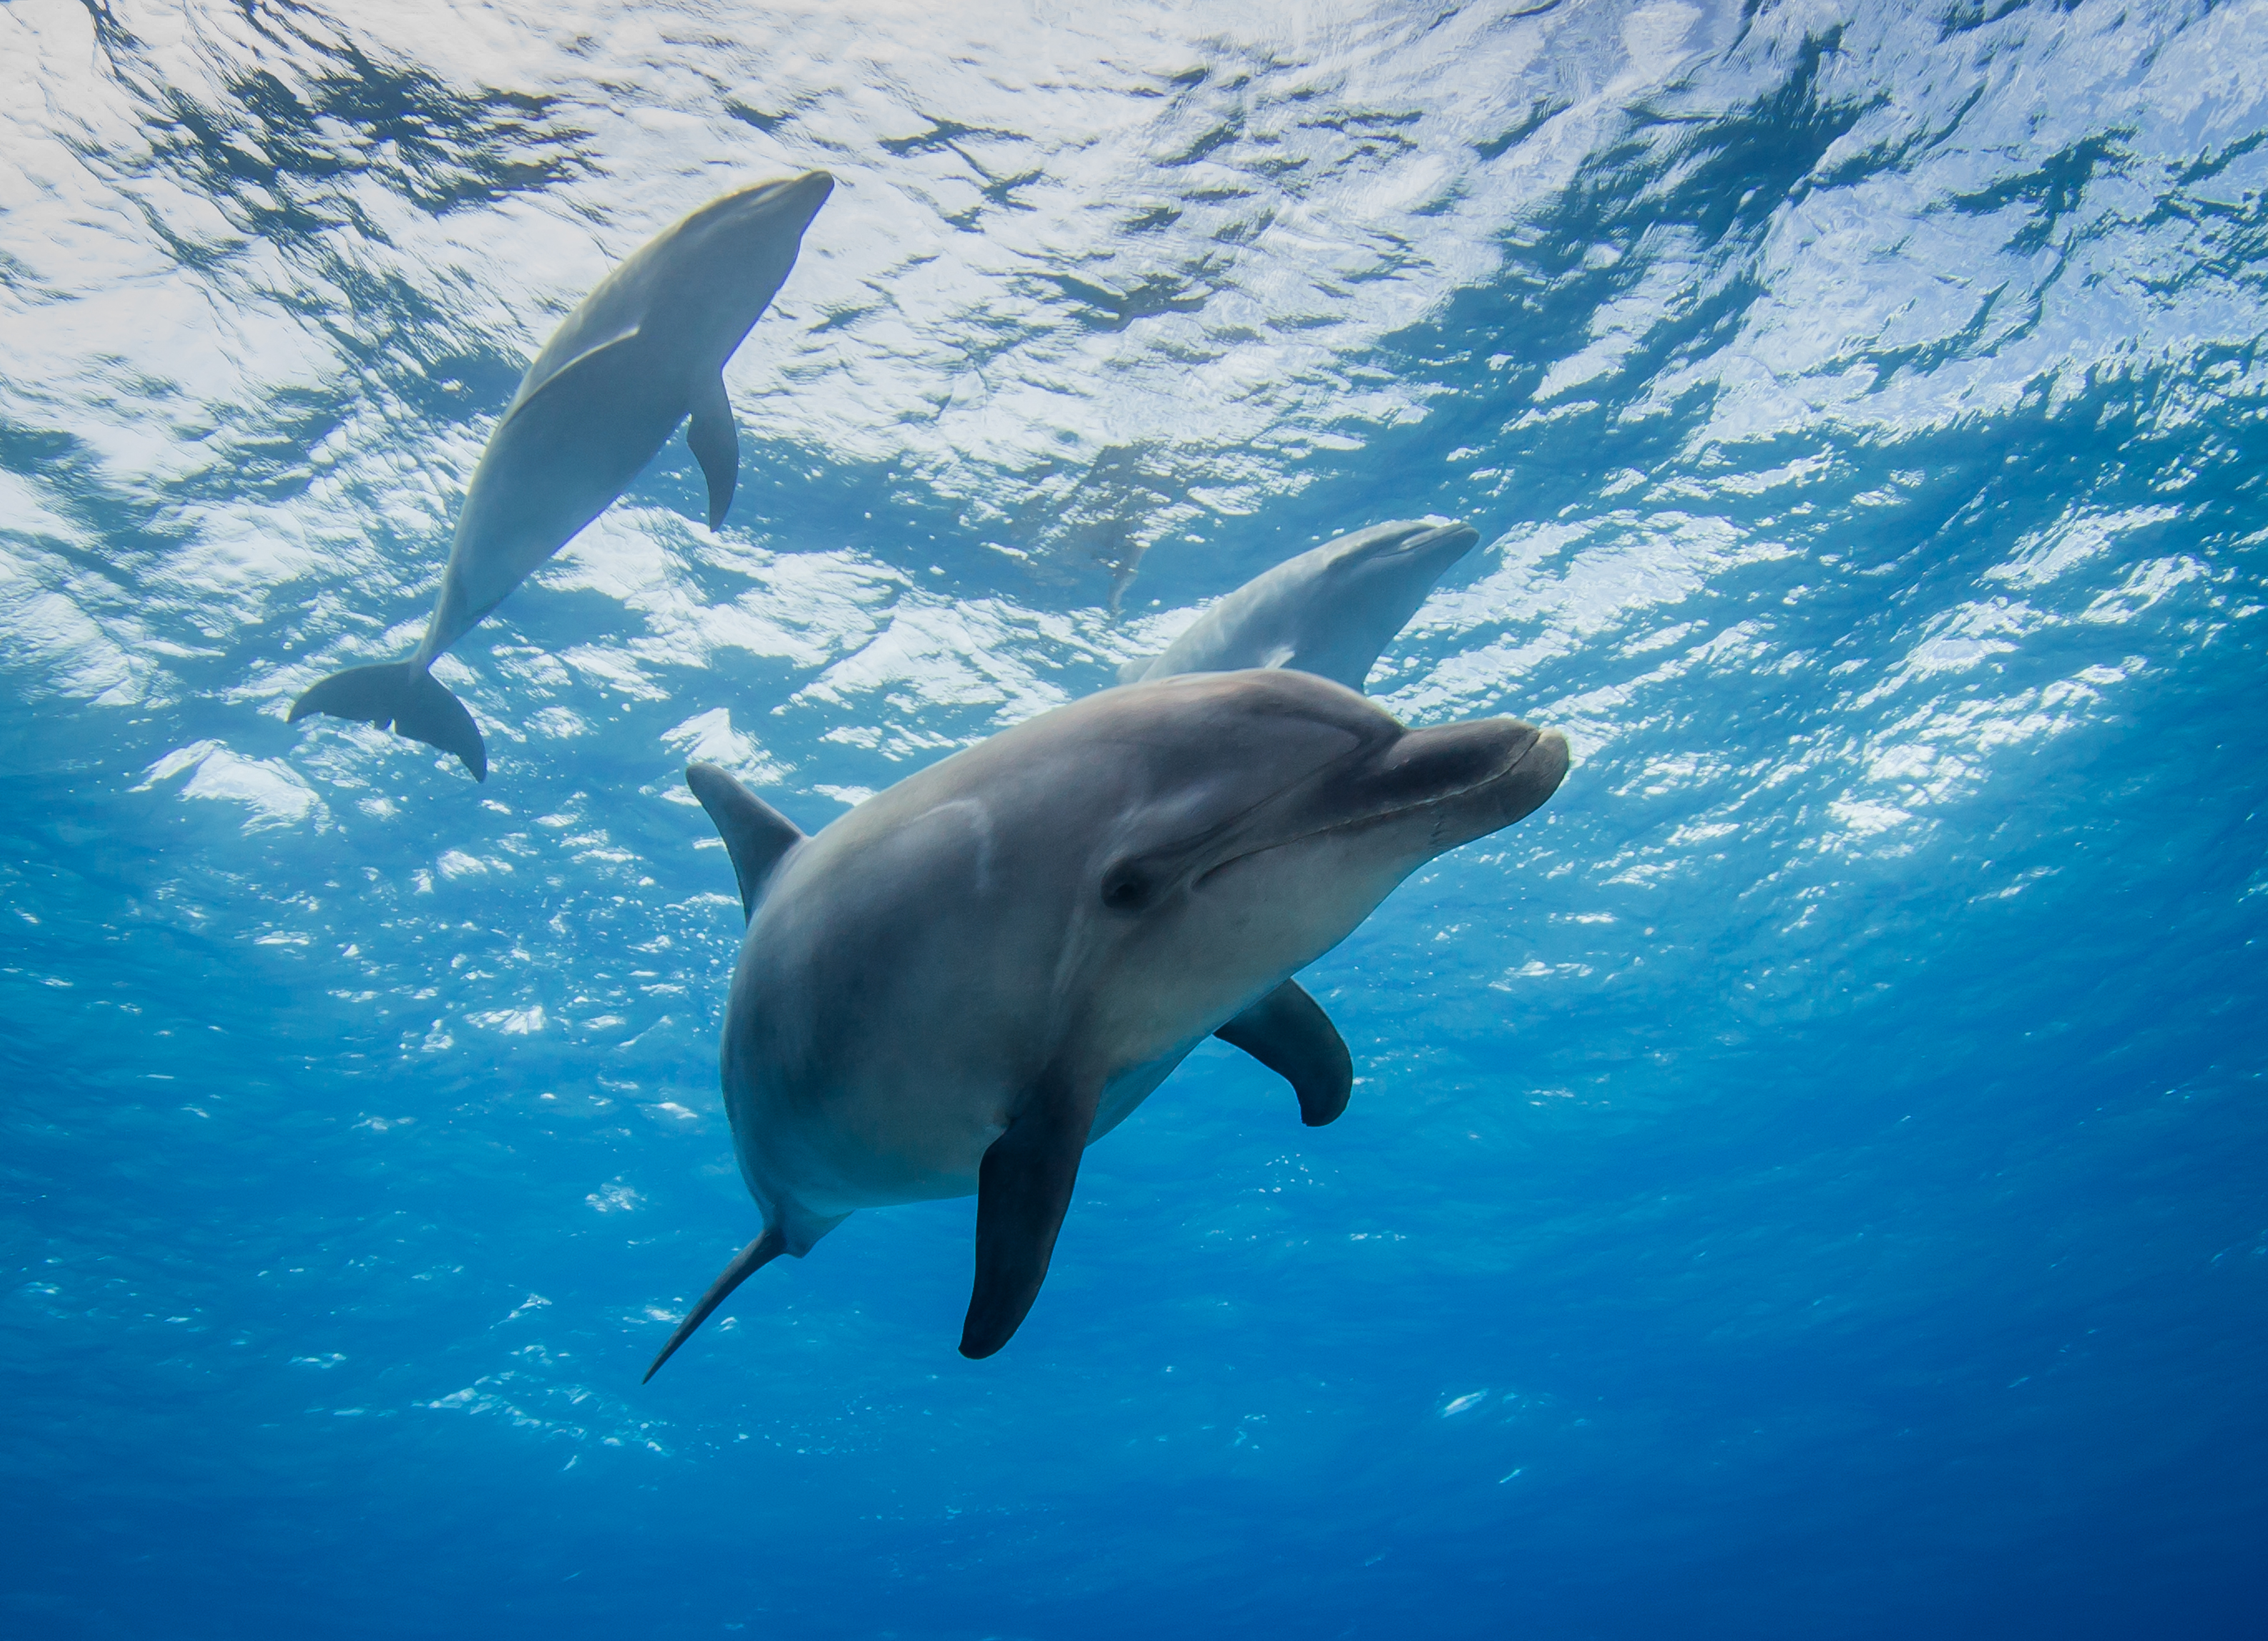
[716, 444]
[757, 835]
[1023, 1186]
[745, 1264]
[1287, 1032]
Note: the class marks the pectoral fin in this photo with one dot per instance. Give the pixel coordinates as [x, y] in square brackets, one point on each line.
[757, 835]
[717, 442]
[589, 368]
[1023, 1186]
[1287, 1032]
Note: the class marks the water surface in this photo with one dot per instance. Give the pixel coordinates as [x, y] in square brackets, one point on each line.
[1806, 1181]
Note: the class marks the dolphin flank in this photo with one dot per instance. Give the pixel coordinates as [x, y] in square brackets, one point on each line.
[643, 352]
[957, 986]
[1329, 611]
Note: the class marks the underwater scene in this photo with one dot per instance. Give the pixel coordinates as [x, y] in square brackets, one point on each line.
[875, 822]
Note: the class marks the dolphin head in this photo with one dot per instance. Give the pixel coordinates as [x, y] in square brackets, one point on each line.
[1329, 611]
[727, 261]
[1257, 817]
[1372, 583]
[784, 205]
[1405, 554]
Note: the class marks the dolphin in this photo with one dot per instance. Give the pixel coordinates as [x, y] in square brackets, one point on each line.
[1329, 611]
[958, 985]
[643, 352]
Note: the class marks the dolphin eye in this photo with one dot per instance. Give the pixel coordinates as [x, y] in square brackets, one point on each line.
[1125, 888]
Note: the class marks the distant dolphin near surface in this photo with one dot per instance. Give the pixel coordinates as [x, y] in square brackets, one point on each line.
[1329, 611]
[646, 350]
[960, 983]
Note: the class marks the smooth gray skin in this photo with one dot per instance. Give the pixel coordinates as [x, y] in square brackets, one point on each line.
[1330, 611]
[643, 352]
[961, 983]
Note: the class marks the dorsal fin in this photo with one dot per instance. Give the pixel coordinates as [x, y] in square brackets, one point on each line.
[757, 835]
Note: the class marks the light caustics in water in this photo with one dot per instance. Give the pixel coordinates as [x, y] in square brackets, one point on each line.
[1832, 1093]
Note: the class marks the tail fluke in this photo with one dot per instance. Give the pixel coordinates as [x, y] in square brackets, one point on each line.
[758, 1254]
[407, 697]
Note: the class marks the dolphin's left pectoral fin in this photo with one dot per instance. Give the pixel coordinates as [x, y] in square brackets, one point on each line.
[717, 442]
[1287, 1032]
[1023, 1187]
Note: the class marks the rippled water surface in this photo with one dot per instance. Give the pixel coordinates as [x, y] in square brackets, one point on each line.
[1806, 1181]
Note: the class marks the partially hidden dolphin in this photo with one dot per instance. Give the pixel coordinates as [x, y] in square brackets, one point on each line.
[957, 986]
[643, 352]
[1329, 611]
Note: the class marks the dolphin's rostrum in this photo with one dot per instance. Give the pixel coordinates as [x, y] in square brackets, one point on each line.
[1329, 611]
[643, 352]
[958, 985]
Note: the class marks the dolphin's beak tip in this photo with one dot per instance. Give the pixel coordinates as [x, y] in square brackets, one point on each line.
[1427, 537]
[1557, 753]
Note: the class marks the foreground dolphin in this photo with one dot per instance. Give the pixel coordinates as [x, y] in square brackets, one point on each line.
[1328, 612]
[958, 985]
[645, 351]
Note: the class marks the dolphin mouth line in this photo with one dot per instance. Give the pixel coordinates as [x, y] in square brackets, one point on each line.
[1417, 543]
[1379, 815]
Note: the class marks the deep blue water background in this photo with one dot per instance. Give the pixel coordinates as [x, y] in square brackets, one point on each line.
[1806, 1181]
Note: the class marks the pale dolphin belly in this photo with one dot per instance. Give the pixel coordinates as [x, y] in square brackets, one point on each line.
[886, 1144]
[554, 467]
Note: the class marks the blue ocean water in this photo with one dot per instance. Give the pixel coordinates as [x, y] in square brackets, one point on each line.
[1806, 1181]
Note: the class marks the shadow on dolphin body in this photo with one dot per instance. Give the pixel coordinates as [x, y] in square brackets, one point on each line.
[1330, 611]
[957, 986]
[643, 352]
